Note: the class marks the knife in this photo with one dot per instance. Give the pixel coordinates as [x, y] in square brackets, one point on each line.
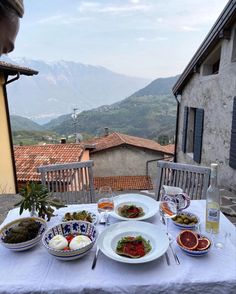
[167, 258]
[174, 254]
[95, 258]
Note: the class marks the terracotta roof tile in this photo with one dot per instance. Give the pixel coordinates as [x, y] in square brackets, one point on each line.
[117, 139]
[121, 183]
[28, 158]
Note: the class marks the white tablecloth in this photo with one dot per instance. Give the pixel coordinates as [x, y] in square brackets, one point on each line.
[35, 271]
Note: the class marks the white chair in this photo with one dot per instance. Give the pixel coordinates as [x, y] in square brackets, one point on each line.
[194, 180]
[69, 182]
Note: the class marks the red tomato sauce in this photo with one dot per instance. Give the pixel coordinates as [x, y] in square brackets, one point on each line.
[135, 248]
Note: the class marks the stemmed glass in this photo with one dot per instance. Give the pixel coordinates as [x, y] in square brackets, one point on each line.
[105, 204]
[168, 209]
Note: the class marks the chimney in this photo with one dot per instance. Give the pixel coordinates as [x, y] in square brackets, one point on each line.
[106, 131]
[63, 140]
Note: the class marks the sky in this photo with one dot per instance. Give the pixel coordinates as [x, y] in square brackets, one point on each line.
[142, 38]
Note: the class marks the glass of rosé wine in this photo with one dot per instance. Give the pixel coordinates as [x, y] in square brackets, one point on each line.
[105, 204]
[168, 209]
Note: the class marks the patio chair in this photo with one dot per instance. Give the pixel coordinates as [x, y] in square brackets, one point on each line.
[194, 180]
[70, 182]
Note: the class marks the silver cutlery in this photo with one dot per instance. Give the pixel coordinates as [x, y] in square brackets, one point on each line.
[95, 258]
[167, 258]
[174, 253]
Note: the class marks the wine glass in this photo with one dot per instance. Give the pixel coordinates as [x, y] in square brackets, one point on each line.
[168, 209]
[105, 203]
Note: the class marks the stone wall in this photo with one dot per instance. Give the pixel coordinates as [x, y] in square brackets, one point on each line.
[124, 161]
[215, 94]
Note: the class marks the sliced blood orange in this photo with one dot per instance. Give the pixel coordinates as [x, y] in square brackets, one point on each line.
[203, 243]
[188, 239]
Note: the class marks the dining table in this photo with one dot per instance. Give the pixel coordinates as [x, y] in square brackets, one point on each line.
[36, 271]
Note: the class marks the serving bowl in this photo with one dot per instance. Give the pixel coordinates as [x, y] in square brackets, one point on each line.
[195, 253]
[22, 246]
[183, 225]
[70, 228]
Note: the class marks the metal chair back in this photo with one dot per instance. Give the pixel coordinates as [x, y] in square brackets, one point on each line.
[69, 182]
[194, 180]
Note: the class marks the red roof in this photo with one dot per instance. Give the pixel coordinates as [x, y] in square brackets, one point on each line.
[121, 183]
[28, 158]
[117, 139]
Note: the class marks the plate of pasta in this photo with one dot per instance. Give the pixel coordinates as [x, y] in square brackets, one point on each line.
[134, 207]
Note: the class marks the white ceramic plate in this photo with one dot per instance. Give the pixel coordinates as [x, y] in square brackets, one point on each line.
[149, 205]
[108, 239]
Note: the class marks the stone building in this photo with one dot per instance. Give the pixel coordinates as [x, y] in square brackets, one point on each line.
[205, 93]
[117, 154]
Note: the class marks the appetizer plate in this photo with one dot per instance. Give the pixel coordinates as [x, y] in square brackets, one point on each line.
[108, 239]
[149, 205]
[92, 215]
[187, 226]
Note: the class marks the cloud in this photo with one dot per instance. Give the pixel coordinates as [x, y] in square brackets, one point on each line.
[155, 39]
[96, 7]
[189, 29]
[51, 19]
[62, 19]
[134, 1]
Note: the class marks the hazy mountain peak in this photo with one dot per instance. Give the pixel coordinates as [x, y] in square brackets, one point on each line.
[62, 85]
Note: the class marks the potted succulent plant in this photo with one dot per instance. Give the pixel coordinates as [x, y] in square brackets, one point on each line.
[38, 201]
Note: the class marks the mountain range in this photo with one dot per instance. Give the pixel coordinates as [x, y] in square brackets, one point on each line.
[63, 85]
[149, 113]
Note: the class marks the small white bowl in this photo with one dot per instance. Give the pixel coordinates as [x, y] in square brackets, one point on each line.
[23, 245]
[187, 226]
[195, 253]
[67, 228]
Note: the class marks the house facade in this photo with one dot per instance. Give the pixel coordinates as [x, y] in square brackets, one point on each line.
[8, 183]
[29, 158]
[119, 154]
[206, 91]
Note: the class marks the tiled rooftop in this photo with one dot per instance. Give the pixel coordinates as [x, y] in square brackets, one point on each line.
[28, 158]
[121, 183]
[117, 139]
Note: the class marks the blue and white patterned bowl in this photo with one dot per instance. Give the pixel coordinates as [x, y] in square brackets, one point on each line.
[23, 245]
[195, 253]
[185, 226]
[67, 228]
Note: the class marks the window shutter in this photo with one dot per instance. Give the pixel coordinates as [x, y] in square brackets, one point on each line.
[185, 129]
[232, 152]
[198, 131]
